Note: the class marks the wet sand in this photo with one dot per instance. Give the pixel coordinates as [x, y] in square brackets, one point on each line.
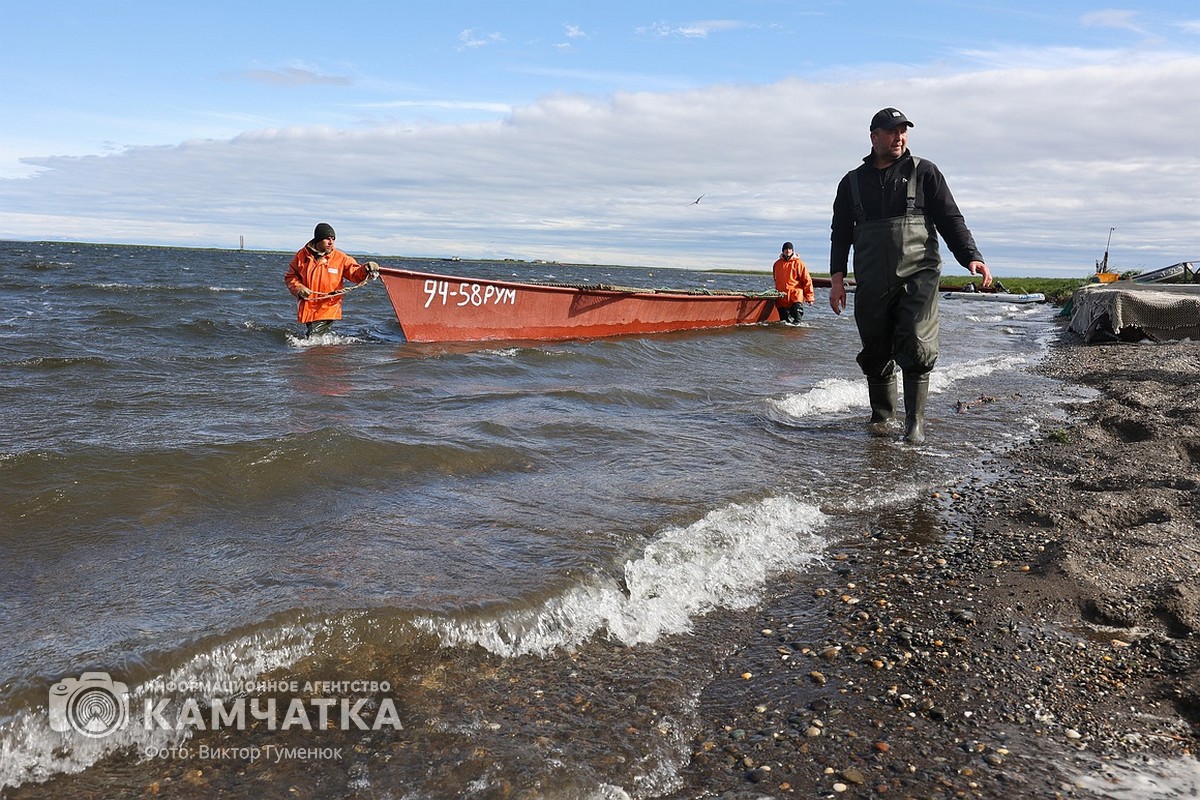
[1043, 645]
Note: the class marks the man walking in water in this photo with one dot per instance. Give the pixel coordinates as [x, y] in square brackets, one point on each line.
[891, 211]
[794, 283]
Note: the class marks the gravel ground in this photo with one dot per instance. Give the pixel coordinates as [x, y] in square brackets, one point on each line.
[1043, 644]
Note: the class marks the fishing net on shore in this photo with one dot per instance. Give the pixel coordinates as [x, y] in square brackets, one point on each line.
[1130, 312]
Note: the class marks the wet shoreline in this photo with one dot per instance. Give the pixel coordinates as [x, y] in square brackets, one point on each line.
[1044, 646]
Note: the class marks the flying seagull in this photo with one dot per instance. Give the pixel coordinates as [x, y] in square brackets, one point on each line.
[696, 202]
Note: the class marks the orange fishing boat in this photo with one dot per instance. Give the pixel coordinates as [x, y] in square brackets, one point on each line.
[448, 308]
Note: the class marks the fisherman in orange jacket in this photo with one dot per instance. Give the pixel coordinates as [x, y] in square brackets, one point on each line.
[794, 282]
[315, 277]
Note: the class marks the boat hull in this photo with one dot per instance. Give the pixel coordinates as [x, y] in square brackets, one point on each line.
[1165, 274]
[997, 297]
[448, 308]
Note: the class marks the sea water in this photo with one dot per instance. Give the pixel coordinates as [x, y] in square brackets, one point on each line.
[453, 569]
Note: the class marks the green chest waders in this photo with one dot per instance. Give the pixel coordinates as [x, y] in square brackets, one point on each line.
[897, 268]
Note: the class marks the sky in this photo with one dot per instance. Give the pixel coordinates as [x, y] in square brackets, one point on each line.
[586, 132]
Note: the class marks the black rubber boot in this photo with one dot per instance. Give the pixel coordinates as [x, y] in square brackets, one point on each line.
[882, 393]
[916, 390]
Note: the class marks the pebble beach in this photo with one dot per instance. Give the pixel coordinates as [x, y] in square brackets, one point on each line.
[1043, 646]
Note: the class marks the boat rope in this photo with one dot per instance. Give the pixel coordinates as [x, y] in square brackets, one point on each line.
[335, 292]
[344, 290]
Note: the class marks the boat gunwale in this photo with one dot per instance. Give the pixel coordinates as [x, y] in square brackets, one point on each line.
[597, 288]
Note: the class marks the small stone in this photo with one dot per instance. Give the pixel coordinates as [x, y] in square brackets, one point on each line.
[747, 676]
[1073, 734]
[852, 775]
[812, 731]
[840, 787]
[817, 678]
[882, 747]
[758, 775]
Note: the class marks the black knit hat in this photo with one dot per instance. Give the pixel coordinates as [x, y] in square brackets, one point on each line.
[323, 231]
[786, 246]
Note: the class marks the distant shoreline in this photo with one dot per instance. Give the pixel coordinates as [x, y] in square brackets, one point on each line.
[1053, 288]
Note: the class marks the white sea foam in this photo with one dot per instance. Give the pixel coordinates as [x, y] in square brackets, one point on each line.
[30, 751]
[1144, 779]
[319, 341]
[833, 396]
[720, 561]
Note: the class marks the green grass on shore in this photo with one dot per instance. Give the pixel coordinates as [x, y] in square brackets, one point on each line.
[1057, 290]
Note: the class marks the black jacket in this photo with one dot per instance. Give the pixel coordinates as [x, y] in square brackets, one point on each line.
[883, 195]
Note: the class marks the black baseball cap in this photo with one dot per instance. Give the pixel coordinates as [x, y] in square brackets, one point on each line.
[889, 118]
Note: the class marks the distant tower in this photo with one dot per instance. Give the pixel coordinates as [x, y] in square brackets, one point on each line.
[241, 243]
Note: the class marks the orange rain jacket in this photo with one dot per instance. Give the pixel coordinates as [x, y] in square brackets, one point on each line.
[793, 280]
[321, 274]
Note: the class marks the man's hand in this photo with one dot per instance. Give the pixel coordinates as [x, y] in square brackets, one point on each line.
[837, 292]
[303, 292]
[372, 270]
[980, 268]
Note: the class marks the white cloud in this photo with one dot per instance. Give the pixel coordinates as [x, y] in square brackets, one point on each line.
[691, 30]
[1048, 58]
[471, 40]
[293, 77]
[1113, 18]
[454, 105]
[1042, 161]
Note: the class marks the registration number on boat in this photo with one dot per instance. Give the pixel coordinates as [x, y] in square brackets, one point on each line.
[468, 294]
